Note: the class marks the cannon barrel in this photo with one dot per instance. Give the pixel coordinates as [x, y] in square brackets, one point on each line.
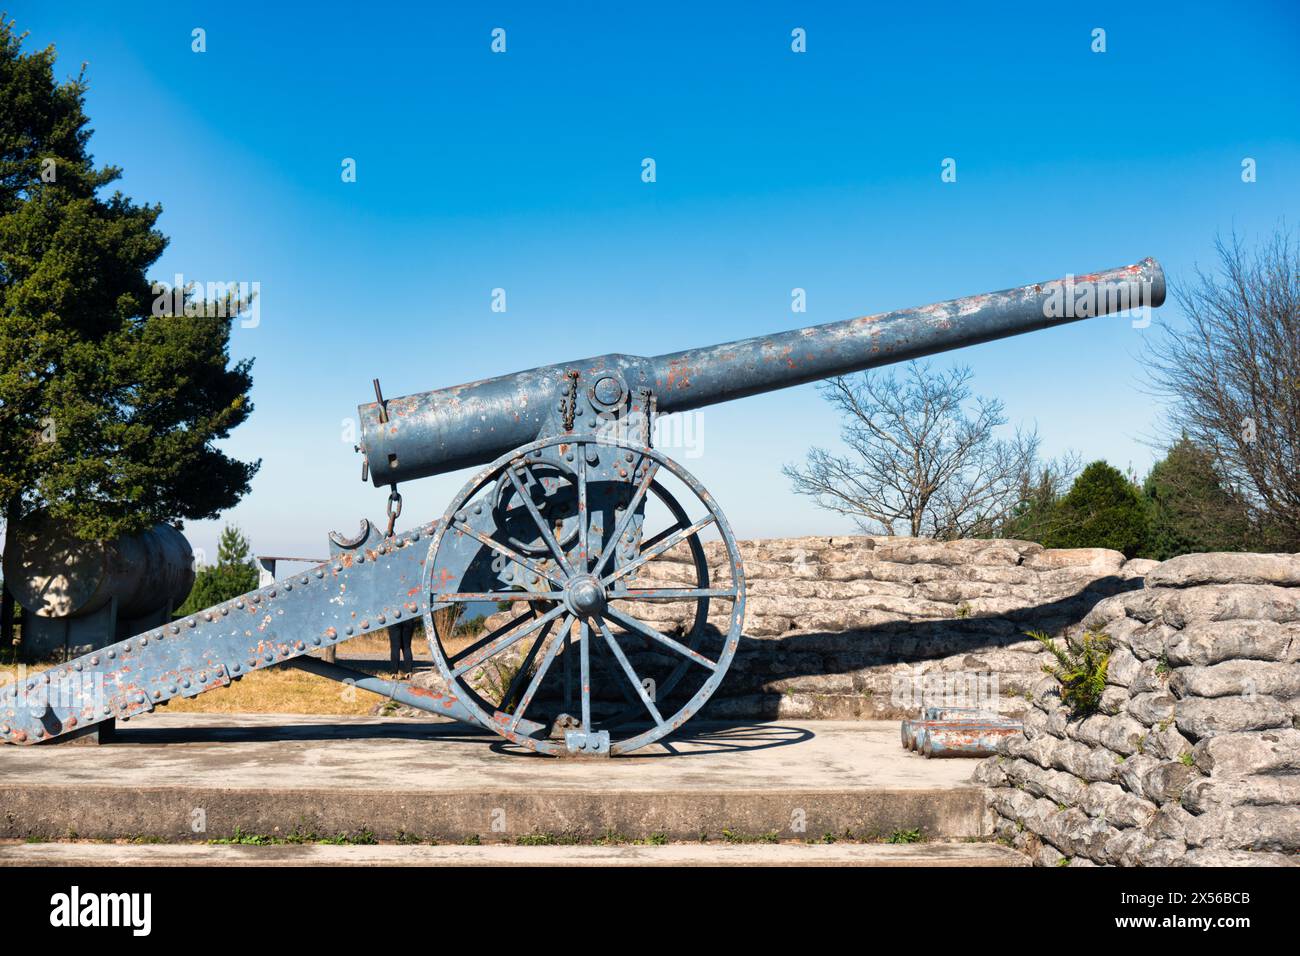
[433, 432]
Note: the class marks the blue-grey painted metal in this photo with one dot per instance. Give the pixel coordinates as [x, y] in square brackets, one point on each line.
[403, 692]
[357, 592]
[588, 571]
[556, 525]
[467, 425]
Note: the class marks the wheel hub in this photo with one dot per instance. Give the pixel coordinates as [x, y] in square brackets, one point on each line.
[584, 595]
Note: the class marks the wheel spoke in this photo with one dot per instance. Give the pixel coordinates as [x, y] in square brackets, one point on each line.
[666, 545]
[631, 674]
[642, 487]
[507, 552]
[584, 654]
[607, 667]
[660, 536]
[584, 519]
[642, 628]
[567, 659]
[542, 668]
[524, 668]
[500, 644]
[538, 520]
[461, 597]
[489, 638]
[670, 594]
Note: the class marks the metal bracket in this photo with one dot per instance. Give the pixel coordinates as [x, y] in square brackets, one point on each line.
[587, 745]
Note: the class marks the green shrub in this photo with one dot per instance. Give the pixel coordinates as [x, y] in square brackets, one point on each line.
[1102, 509]
[1080, 668]
[1191, 508]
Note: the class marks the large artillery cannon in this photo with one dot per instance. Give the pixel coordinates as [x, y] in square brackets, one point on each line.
[576, 524]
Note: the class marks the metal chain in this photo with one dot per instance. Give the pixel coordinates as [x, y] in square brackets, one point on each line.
[570, 403]
[649, 406]
[394, 509]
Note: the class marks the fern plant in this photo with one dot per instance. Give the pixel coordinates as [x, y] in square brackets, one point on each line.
[1080, 668]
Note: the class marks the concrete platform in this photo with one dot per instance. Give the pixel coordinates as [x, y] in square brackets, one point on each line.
[678, 854]
[194, 777]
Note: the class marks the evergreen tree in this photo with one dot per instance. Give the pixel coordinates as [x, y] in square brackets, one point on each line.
[1102, 509]
[108, 409]
[233, 574]
[1190, 510]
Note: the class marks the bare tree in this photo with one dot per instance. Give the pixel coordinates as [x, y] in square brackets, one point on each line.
[919, 464]
[1233, 376]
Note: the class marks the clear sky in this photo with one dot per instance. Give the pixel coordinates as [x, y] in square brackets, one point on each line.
[775, 170]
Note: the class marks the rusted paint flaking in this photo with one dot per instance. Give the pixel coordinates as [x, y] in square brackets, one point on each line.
[214, 650]
[476, 422]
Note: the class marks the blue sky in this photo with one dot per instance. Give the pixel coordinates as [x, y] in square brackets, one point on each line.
[775, 170]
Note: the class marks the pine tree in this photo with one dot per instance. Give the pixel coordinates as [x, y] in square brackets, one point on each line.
[233, 574]
[1190, 509]
[108, 411]
[1102, 509]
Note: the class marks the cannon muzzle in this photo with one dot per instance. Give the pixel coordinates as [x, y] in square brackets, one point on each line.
[433, 432]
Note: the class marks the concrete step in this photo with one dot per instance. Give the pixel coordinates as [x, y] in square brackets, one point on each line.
[679, 854]
[182, 777]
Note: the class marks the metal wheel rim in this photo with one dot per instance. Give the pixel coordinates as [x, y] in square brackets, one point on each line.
[730, 640]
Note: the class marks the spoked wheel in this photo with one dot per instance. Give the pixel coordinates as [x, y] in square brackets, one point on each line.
[616, 630]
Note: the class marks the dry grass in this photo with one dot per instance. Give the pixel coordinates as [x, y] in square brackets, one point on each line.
[279, 691]
[375, 646]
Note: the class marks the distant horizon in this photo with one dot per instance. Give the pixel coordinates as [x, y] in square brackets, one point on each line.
[517, 179]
